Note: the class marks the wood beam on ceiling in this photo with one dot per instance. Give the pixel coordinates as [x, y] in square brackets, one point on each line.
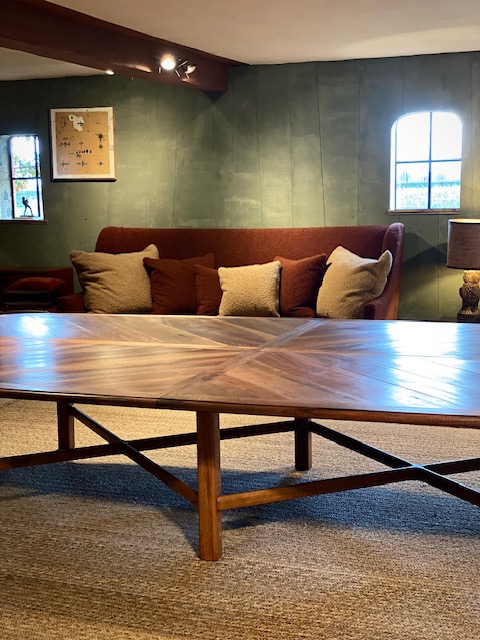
[52, 31]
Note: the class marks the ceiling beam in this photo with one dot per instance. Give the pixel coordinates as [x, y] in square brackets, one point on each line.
[52, 31]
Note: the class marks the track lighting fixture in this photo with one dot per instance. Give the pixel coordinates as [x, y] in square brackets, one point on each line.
[183, 68]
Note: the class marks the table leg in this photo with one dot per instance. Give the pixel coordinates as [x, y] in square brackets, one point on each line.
[303, 444]
[209, 486]
[65, 423]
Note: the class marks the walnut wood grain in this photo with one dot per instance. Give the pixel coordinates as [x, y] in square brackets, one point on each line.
[66, 427]
[303, 444]
[209, 486]
[276, 366]
[392, 371]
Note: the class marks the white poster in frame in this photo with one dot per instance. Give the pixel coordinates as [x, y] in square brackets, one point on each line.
[82, 143]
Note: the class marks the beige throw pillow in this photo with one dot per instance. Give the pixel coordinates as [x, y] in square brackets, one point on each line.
[115, 283]
[350, 282]
[251, 290]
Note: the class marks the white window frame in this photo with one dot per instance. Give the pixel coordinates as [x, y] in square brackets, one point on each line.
[10, 211]
[394, 162]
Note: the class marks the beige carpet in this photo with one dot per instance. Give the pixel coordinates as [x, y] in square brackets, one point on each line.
[101, 550]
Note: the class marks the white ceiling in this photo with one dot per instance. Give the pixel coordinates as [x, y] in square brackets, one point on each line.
[17, 65]
[278, 31]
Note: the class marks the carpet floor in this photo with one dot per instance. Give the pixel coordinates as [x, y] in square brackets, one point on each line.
[99, 549]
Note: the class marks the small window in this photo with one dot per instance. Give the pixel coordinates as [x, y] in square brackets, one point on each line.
[20, 178]
[426, 161]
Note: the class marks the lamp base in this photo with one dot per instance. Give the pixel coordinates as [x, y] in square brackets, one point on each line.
[468, 317]
[470, 294]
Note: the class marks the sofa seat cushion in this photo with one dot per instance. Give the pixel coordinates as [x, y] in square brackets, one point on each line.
[300, 281]
[115, 283]
[251, 290]
[350, 282]
[173, 283]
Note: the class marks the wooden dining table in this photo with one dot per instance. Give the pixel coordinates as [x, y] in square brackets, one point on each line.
[303, 370]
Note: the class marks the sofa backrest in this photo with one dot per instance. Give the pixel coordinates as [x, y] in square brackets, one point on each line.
[234, 247]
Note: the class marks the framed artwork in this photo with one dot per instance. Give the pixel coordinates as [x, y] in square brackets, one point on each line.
[82, 144]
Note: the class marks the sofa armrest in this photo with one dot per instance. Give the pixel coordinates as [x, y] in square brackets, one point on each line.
[74, 303]
[378, 309]
[386, 305]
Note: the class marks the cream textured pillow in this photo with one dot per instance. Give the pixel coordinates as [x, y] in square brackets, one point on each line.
[350, 282]
[115, 283]
[251, 290]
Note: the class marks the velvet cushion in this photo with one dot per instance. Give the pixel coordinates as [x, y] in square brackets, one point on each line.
[299, 284]
[208, 290]
[36, 284]
[173, 283]
[252, 290]
[350, 282]
[115, 283]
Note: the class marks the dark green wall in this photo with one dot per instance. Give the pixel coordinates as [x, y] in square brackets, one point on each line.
[288, 145]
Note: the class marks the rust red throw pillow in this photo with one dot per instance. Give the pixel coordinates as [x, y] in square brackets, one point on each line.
[36, 283]
[173, 283]
[209, 291]
[299, 285]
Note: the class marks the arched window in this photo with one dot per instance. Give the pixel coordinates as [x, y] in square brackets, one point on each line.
[426, 161]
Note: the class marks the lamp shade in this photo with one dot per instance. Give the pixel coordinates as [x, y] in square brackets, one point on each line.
[463, 250]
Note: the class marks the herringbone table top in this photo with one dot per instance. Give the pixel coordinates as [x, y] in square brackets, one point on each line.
[407, 371]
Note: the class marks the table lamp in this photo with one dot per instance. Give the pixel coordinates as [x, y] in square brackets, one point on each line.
[463, 252]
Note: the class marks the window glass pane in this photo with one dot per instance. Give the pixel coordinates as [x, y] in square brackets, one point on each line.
[412, 186]
[20, 182]
[446, 136]
[26, 203]
[445, 185]
[24, 156]
[413, 137]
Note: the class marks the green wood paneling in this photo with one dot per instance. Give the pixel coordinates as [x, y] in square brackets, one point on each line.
[163, 147]
[243, 204]
[339, 108]
[223, 153]
[193, 192]
[380, 99]
[274, 142]
[308, 208]
[130, 201]
[455, 94]
[475, 135]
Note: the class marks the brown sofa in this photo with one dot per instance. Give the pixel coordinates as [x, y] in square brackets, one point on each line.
[236, 247]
